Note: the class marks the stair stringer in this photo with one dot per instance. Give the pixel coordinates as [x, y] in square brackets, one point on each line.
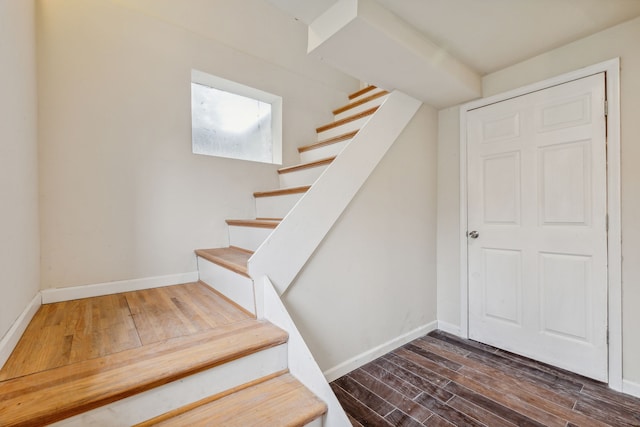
[288, 248]
[301, 362]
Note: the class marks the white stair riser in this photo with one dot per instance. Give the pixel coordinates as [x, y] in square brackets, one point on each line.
[360, 108]
[249, 238]
[168, 397]
[324, 151]
[365, 95]
[342, 129]
[301, 177]
[236, 287]
[276, 206]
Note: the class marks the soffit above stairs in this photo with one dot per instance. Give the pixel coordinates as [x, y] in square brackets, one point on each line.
[365, 40]
[437, 50]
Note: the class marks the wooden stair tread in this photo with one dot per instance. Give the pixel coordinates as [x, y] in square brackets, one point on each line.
[360, 102]
[280, 401]
[328, 141]
[257, 223]
[232, 258]
[59, 393]
[282, 191]
[362, 91]
[352, 118]
[89, 328]
[308, 165]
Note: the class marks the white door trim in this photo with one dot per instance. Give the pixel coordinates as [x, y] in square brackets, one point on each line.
[614, 237]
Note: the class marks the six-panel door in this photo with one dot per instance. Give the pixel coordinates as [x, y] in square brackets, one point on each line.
[537, 200]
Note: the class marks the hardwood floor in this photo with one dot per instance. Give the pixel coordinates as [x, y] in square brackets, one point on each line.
[85, 329]
[442, 380]
[437, 380]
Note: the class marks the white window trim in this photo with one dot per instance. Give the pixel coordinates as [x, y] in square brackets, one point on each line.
[240, 89]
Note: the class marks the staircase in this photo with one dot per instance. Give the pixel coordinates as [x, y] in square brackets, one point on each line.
[265, 253]
[250, 368]
[225, 269]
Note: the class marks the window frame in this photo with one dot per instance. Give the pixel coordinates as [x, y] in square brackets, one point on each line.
[206, 79]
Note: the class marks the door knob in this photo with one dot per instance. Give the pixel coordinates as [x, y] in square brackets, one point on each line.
[474, 234]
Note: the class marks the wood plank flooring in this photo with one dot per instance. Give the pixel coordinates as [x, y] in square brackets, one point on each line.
[55, 394]
[442, 380]
[69, 332]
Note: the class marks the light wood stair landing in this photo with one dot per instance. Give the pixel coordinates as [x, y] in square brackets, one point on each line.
[125, 358]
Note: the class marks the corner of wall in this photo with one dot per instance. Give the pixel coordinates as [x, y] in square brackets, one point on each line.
[19, 222]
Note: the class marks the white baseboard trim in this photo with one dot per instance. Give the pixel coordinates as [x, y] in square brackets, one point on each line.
[449, 328]
[630, 387]
[354, 363]
[10, 339]
[100, 289]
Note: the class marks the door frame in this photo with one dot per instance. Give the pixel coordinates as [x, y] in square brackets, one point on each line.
[611, 68]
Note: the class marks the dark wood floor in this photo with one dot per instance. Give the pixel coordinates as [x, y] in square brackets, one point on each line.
[442, 380]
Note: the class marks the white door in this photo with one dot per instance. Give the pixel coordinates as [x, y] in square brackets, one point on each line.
[537, 204]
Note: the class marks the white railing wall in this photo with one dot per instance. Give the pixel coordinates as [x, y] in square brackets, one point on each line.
[302, 364]
[289, 247]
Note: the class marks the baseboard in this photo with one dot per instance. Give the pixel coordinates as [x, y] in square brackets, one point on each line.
[449, 328]
[366, 357]
[631, 388]
[100, 289]
[13, 335]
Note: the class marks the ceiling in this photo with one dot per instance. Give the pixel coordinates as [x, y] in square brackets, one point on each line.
[488, 35]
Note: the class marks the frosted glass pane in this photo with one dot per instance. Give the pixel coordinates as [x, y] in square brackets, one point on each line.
[228, 125]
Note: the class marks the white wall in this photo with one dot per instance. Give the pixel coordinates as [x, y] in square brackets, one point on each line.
[122, 197]
[253, 27]
[19, 242]
[372, 279]
[619, 41]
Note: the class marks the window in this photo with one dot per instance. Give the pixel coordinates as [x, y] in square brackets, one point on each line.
[235, 121]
